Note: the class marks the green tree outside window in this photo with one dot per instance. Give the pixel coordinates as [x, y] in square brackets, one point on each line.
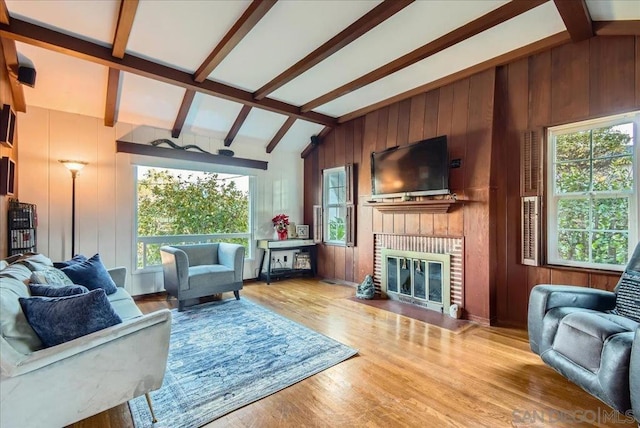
[172, 202]
[593, 187]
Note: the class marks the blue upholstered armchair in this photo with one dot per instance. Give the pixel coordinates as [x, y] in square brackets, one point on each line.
[592, 337]
[193, 271]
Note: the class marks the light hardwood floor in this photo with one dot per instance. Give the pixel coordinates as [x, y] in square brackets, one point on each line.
[407, 373]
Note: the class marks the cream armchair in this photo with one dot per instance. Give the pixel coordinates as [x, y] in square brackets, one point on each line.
[193, 271]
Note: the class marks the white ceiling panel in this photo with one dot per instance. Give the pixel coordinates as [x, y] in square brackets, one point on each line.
[182, 33]
[298, 137]
[148, 102]
[210, 113]
[65, 83]
[412, 27]
[290, 31]
[501, 39]
[610, 10]
[88, 19]
[262, 124]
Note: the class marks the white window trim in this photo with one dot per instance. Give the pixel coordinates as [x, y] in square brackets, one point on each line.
[326, 206]
[158, 164]
[551, 199]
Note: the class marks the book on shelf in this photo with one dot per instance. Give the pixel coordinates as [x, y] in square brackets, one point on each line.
[22, 238]
[302, 261]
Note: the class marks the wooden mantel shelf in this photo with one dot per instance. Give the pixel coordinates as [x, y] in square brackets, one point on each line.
[432, 206]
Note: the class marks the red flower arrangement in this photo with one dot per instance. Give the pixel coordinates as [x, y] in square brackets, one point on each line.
[280, 222]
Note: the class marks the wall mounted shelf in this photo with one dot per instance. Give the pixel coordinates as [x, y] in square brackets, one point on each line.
[438, 206]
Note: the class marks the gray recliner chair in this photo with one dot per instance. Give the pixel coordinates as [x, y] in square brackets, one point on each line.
[199, 270]
[592, 337]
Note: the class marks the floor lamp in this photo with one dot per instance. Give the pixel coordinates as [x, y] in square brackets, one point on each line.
[74, 167]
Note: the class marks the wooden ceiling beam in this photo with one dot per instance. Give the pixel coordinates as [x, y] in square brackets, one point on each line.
[126, 16]
[523, 52]
[4, 13]
[11, 60]
[576, 18]
[311, 147]
[370, 20]
[183, 111]
[489, 20]
[617, 28]
[254, 13]
[62, 43]
[283, 130]
[111, 104]
[237, 124]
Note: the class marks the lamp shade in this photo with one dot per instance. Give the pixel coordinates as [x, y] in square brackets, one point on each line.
[73, 165]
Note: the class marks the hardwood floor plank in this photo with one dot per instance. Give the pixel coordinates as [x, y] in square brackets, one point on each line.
[407, 373]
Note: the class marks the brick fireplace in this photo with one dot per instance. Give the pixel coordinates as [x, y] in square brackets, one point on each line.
[423, 270]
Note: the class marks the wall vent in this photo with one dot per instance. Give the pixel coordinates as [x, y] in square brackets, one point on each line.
[530, 164]
[530, 231]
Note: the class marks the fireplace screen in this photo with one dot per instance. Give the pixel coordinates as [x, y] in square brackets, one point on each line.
[392, 274]
[418, 278]
[435, 282]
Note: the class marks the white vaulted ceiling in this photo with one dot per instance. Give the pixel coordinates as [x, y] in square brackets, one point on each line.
[181, 34]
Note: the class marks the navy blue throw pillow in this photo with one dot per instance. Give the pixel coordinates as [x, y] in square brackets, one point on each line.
[60, 319]
[92, 274]
[78, 258]
[56, 291]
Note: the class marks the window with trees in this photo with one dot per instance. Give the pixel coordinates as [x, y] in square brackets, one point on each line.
[338, 206]
[177, 207]
[592, 192]
[335, 205]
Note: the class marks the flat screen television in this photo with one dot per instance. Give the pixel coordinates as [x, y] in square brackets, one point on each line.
[417, 169]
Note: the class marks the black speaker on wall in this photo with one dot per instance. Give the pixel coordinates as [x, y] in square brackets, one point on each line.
[315, 140]
[7, 176]
[27, 76]
[7, 125]
[26, 71]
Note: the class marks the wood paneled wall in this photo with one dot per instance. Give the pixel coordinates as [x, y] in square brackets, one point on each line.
[464, 112]
[483, 116]
[573, 82]
[6, 97]
[105, 189]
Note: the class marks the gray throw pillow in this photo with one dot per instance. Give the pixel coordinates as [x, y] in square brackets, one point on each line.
[60, 319]
[50, 276]
[628, 295]
[16, 271]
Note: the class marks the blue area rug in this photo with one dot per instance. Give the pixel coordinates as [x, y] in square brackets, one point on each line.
[225, 355]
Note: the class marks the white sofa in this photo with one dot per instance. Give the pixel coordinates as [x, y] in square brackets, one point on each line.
[60, 385]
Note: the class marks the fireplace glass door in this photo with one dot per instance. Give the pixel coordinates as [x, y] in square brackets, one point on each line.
[405, 276]
[392, 274]
[416, 277]
[435, 282]
[419, 279]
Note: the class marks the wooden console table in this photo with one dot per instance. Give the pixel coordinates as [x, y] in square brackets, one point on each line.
[271, 246]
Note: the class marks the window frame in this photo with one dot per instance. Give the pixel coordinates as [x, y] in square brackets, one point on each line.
[326, 174]
[552, 198]
[250, 235]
